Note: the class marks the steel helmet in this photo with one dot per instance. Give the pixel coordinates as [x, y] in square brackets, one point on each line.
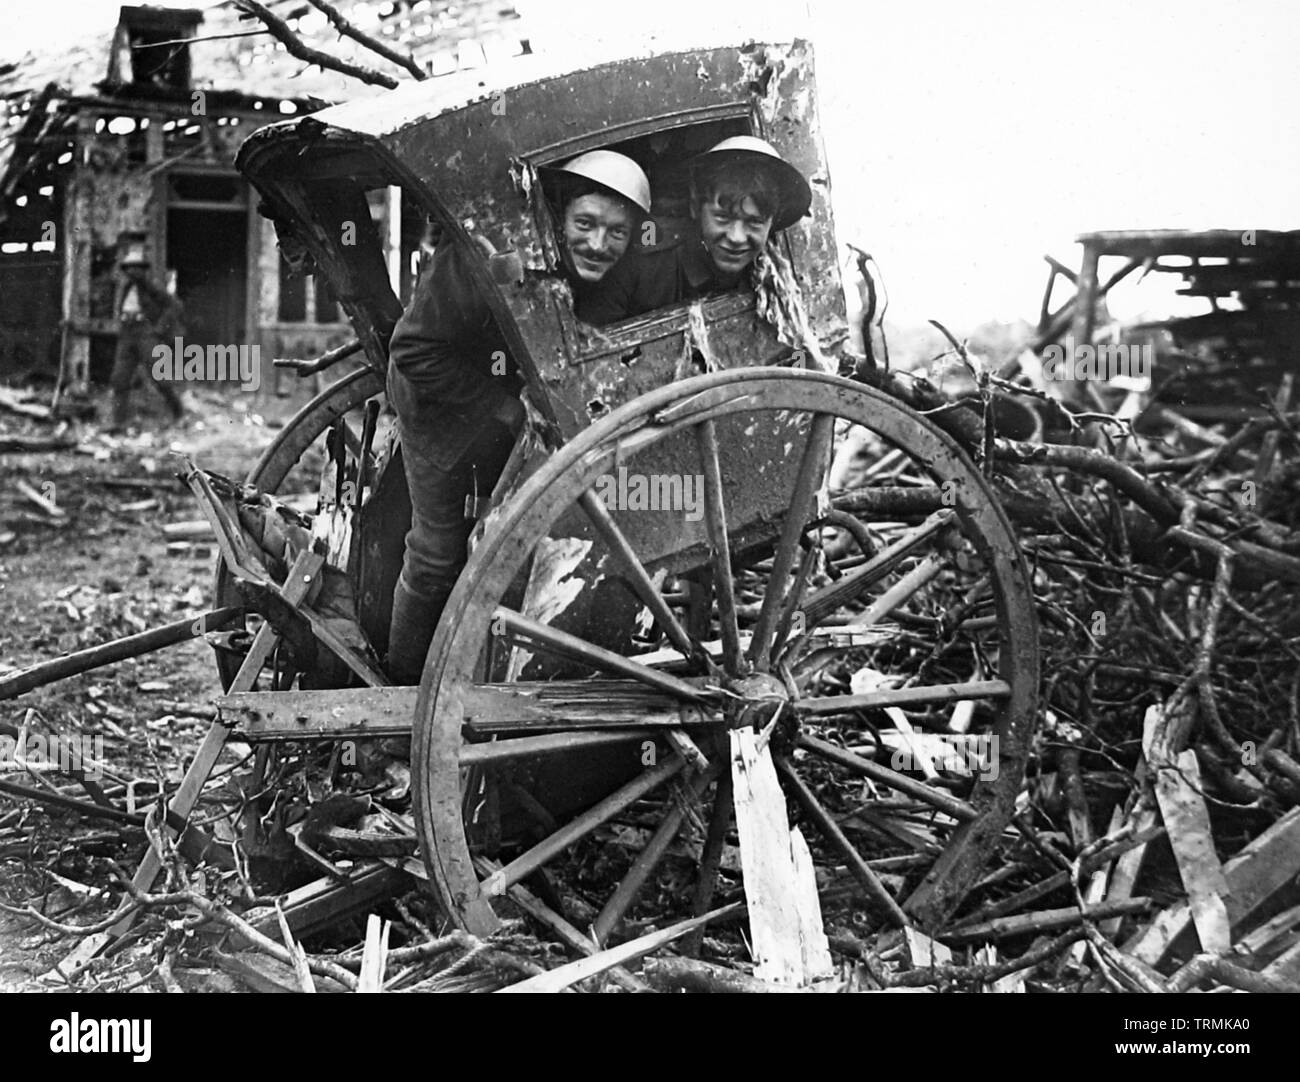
[615, 173]
[796, 195]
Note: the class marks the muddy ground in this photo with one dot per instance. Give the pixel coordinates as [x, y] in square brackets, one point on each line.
[105, 571]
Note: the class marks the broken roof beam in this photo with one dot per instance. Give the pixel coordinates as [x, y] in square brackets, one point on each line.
[1141, 243]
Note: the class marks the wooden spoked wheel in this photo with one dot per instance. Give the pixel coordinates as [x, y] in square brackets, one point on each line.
[286, 466]
[942, 608]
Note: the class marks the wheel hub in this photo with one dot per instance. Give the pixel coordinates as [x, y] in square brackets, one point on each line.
[755, 700]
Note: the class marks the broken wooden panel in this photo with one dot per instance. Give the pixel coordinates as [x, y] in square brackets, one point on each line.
[1265, 866]
[262, 973]
[327, 901]
[1187, 821]
[785, 921]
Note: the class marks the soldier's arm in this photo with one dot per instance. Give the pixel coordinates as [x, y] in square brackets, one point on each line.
[434, 341]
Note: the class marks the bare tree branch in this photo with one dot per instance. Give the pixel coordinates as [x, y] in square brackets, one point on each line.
[297, 47]
[373, 44]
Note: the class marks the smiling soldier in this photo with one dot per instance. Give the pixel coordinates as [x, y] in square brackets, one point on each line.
[456, 389]
[604, 197]
[742, 191]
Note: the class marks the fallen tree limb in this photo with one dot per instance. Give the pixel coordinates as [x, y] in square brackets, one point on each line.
[915, 978]
[1213, 967]
[690, 975]
[348, 29]
[47, 672]
[81, 807]
[1030, 923]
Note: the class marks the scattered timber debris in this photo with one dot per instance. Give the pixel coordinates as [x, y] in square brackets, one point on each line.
[1155, 844]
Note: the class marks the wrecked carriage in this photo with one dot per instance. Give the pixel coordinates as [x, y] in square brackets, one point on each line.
[596, 653]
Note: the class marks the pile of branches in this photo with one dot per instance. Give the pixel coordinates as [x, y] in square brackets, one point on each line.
[1164, 565]
[1164, 562]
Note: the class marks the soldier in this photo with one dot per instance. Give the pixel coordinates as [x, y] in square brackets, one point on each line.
[741, 190]
[456, 390]
[146, 316]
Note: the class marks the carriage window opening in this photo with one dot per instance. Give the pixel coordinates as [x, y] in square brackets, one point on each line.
[685, 248]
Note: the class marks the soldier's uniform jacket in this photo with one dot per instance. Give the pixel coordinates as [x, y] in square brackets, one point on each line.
[151, 305]
[450, 372]
[654, 276]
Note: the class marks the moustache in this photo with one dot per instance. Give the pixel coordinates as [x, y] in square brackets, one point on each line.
[594, 257]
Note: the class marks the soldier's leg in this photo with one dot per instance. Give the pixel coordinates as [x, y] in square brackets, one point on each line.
[165, 387]
[435, 553]
[125, 358]
[435, 544]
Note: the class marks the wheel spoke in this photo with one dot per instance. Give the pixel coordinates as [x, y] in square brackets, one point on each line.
[827, 599]
[911, 583]
[832, 833]
[648, 859]
[570, 646]
[795, 596]
[806, 483]
[640, 579]
[715, 522]
[527, 863]
[930, 693]
[711, 858]
[936, 798]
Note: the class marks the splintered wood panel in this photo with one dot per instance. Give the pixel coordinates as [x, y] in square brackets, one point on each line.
[1187, 824]
[785, 920]
[1253, 876]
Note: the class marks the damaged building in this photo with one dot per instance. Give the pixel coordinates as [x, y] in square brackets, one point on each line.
[129, 138]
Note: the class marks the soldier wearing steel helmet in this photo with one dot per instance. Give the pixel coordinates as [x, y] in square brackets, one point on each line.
[603, 197]
[456, 390]
[742, 191]
[146, 316]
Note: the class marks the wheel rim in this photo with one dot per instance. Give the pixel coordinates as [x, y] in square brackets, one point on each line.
[448, 700]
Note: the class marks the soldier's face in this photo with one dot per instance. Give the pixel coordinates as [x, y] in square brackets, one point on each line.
[733, 229]
[597, 231]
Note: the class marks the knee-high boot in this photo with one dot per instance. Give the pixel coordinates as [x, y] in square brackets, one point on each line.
[415, 617]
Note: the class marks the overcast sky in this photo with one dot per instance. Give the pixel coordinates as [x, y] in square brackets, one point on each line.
[967, 139]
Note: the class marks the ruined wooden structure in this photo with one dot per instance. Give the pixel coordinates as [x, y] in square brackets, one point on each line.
[1212, 365]
[133, 131]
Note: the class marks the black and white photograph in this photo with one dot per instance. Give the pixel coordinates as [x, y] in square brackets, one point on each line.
[721, 497]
